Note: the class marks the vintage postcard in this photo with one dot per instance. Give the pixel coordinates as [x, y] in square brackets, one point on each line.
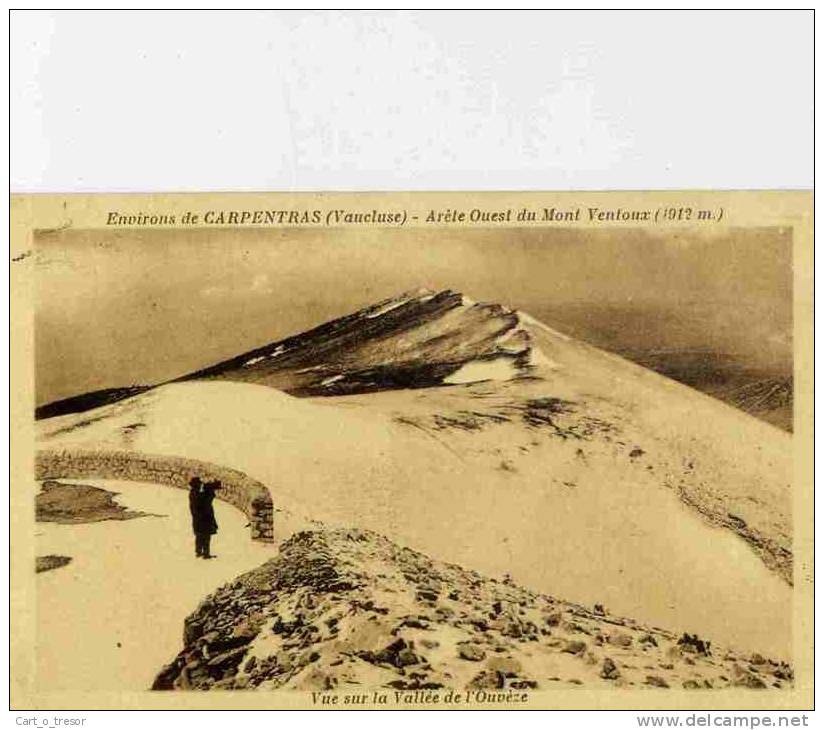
[425, 451]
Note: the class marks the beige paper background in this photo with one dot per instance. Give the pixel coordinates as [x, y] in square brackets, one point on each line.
[742, 209]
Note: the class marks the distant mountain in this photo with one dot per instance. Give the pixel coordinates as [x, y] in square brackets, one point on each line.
[415, 340]
[770, 399]
[87, 401]
[424, 338]
[682, 348]
[759, 392]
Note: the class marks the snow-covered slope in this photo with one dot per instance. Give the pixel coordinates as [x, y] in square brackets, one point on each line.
[527, 453]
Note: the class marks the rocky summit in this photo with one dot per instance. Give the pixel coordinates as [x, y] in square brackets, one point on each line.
[348, 608]
[415, 340]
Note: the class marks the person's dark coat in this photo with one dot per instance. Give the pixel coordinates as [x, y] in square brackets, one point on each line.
[207, 521]
[195, 500]
[201, 497]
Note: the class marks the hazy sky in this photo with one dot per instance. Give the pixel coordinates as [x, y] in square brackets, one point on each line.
[122, 307]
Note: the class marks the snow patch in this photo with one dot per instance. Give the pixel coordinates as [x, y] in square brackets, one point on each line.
[387, 308]
[277, 352]
[514, 341]
[512, 348]
[538, 359]
[333, 379]
[501, 368]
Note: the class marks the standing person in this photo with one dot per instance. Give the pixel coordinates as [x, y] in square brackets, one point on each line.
[196, 510]
[208, 523]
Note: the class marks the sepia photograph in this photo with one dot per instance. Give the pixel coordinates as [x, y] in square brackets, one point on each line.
[373, 361]
[486, 461]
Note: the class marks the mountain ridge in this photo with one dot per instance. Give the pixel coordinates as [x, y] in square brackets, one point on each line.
[418, 339]
[414, 340]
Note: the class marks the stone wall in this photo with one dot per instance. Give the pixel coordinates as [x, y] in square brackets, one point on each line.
[239, 490]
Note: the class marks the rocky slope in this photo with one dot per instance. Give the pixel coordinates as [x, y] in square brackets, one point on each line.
[415, 340]
[347, 608]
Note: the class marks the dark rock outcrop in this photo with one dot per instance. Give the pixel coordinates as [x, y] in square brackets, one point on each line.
[342, 607]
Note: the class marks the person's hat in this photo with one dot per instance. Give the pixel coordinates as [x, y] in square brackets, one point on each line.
[195, 482]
